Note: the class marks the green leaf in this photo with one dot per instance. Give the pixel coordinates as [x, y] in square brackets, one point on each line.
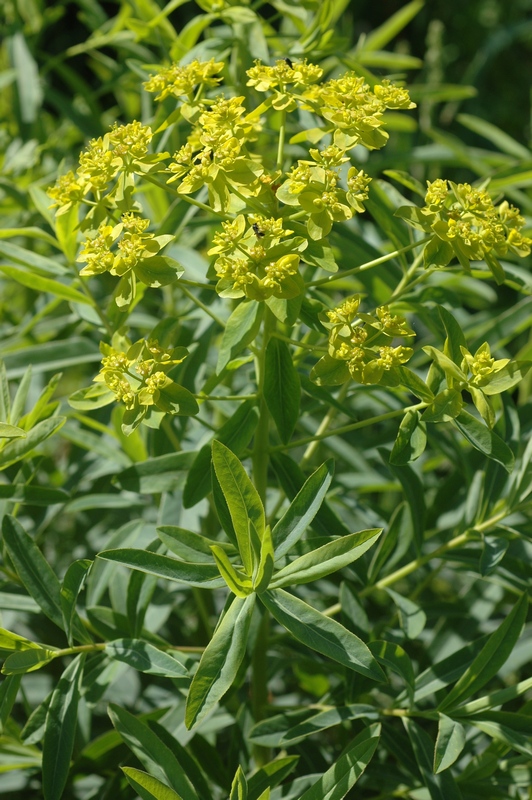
[515, 730]
[27, 661]
[329, 371]
[158, 271]
[8, 695]
[243, 501]
[412, 617]
[240, 329]
[411, 439]
[40, 284]
[70, 589]
[235, 434]
[455, 336]
[60, 728]
[485, 440]
[415, 496]
[203, 575]
[282, 388]
[239, 787]
[19, 448]
[384, 34]
[160, 474]
[147, 787]
[145, 658]
[493, 551]
[321, 633]
[506, 378]
[270, 775]
[39, 265]
[291, 727]
[405, 179]
[238, 583]
[326, 559]
[189, 546]
[445, 407]
[151, 751]
[302, 509]
[12, 641]
[501, 140]
[345, 772]
[491, 658]
[414, 384]
[442, 786]
[437, 253]
[33, 569]
[393, 656]
[451, 370]
[11, 431]
[220, 661]
[449, 743]
[265, 567]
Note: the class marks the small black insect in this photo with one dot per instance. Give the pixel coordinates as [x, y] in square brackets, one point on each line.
[287, 61]
[257, 231]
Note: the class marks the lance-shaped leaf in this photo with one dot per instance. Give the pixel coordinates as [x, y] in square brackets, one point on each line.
[239, 787]
[12, 641]
[60, 727]
[240, 329]
[282, 388]
[270, 775]
[16, 449]
[220, 661]
[11, 431]
[393, 656]
[345, 772]
[189, 546]
[264, 572]
[411, 439]
[292, 727]
[514, 730]
[151, 751]
[321, 633]
[302, 509]
[70, 589]
[146, 658]
[27, 660]
[33, 569]
[243, 501]
[237, 582]
[202, 575]
[507, 378]
[493, 655]
[451, 369]
[147, 787]
[442, 786]
[485, 440]
[449, 743]
[411, 616]
[331, 557]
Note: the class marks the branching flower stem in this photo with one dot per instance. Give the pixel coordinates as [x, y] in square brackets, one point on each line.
[370, 264]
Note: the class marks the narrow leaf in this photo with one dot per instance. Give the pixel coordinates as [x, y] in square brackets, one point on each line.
[485, 440]
[321, 633]
[282, 388]
[345, 772]
[220, 661]
[147, 787]
[203, 575]
[61, 721]
[145, 658]
[449, 743]
[491, 658]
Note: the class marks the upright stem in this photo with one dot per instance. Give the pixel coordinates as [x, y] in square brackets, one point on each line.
[326, 421]
[260, 456]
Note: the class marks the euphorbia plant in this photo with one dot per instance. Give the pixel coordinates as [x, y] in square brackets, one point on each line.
[267, 172]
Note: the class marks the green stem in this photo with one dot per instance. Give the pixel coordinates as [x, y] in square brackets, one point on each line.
[370, 264]
[280, 147]
[260, 457]
[326, 421]
[412, 566]
[191, 200]
[347, 428]
[259, 683]
[203, 307]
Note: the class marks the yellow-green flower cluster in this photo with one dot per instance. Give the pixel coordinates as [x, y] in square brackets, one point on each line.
[137, 376]
[215, 155]
[124, 151]
[133, 244]
[467, 225]
[181, 81]
[314, 186]
[354, 111]
[363, 344]
[283, 79]
[257, 258]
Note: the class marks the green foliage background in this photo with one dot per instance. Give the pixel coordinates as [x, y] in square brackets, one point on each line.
[440, 599]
